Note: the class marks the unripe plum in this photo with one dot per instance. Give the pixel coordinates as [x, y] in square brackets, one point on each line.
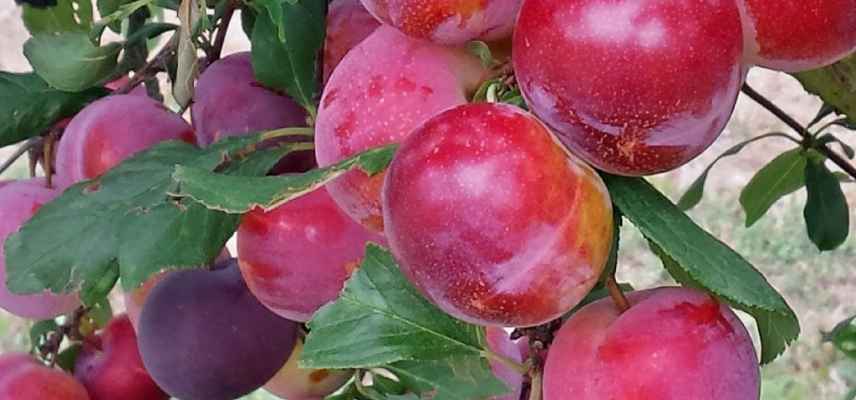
[110, 366]
[229, 102]
[448, 21]
[22, 378]
[634, 87]
[19, 201]
[348, 24]
[383, 89]
[204, 336]
[499, 342]
[295, 383]
[112, 129]
[297, 257]
[673, 343]
[492, 220]
[798, 35]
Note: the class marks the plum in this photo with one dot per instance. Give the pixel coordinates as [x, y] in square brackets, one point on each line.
[19, 201]
[111, 129]
[22, 378]
[297, 257]
[204, 336]
[634, 87]
[110, 367]
[798, 35]
[673, 343]
[492, 220]
[383, 89]
[450, 22]
[348, 24]
[295, 383]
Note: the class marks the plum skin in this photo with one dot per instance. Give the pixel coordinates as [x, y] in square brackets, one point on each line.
[244, 343]
[499, 342]
[110, 366]
[799, 35]
[19, 201]
[296, 257]
[492, 220]
[449, 22]
[348, 24]
[229, 102]
[136, 298]
[295, 383]
[109, 130]
[382, 90]
[632, 87]
[22, 378]
[673, 343]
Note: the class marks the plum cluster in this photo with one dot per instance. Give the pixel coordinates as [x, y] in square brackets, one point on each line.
[497, 215]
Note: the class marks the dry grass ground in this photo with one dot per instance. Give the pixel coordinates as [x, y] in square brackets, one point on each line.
[820, 287]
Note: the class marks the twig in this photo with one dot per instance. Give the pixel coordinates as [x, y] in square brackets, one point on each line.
[19, 152]
[152, 67]
[808, 138]
[222, 29]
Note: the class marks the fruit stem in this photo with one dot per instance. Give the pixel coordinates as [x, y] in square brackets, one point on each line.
[617, 294]
[536, 385]
[48, 152]
[807, 136]
[523, 369]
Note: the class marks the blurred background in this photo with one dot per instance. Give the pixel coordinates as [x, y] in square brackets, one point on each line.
[820, 287]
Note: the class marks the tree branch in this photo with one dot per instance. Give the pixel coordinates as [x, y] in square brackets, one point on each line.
[808, 138]
[19, 152]
[222, 29]
[152, 67]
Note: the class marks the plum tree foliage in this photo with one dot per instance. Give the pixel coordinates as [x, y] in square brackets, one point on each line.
[427, 196]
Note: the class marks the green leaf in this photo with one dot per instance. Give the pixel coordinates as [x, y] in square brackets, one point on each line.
[827, 216]
[63, 17]
[851, 395]
[95, 290]
[286, 43]
[70, 62]
[125, 222]
[100, 312]
[107, 7]
[68, 357]
[28, 106]
[835, 84]
[239, 195]
[114, 19]
[453, 378]
[387, 321]
[248, 21]
[481, 50]
[694, 194]
[843, 336]
[846, 148]
[781, 177]
[39, 332]
[701, 260]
